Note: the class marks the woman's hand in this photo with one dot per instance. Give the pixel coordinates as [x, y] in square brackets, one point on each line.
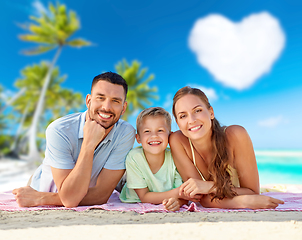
[260, 202]
[172, 204]
[195, 187]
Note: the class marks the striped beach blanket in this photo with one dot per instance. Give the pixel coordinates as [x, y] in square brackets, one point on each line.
[293, 202]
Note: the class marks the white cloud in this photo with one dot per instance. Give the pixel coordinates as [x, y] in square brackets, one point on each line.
[237, 54]
[169, 101]
[272, 122]
[39, 7]
[210, 92]
[6, 94]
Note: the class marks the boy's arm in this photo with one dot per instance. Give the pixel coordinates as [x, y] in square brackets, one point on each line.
[155, 197]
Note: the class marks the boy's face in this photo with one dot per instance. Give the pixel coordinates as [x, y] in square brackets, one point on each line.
[153, 134]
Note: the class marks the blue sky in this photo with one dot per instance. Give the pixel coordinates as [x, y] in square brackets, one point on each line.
[260, 92]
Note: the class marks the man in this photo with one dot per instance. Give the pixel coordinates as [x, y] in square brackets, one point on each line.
[85, 152]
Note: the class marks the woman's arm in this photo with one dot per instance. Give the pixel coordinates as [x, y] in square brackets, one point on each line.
[243, 159]
[182, 157]
[193, 185]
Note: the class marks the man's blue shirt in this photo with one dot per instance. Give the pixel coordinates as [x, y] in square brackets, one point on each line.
[64, 139]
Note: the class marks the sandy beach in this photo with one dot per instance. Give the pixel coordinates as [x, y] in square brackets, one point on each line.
[100, 224]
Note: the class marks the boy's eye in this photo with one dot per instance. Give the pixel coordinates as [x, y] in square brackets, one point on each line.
[146, 131]
[160, 130]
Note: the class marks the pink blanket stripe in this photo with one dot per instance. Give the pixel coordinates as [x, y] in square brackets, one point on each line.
[293, 202]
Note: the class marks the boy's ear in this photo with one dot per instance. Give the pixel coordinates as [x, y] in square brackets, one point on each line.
[138, 139]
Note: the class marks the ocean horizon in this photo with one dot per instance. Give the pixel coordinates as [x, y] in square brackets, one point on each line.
[279, 166]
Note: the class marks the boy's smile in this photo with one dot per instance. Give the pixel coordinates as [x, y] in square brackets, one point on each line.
[153, 135]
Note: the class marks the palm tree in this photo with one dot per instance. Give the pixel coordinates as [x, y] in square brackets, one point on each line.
[5, 139]
[11, 100]
[58, 100]
[50, 31]
[139, 91]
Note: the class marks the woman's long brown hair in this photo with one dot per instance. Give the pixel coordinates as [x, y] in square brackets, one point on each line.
[218, 168]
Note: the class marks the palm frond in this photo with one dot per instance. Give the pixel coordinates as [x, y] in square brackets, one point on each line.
[38, 50]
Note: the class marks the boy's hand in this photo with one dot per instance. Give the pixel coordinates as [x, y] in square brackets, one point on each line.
[172, 204]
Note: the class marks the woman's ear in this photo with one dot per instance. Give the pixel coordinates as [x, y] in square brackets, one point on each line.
[212, 113]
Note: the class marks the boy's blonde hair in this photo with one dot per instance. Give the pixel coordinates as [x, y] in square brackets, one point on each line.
[153, 112]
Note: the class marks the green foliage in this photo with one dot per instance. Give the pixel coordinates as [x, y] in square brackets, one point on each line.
[5, 140]
[58, 102]
[53, 29]
[139, 92]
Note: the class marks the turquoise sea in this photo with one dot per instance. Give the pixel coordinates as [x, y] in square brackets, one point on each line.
[279, 166]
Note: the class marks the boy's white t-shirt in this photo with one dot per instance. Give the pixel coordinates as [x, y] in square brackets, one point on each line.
[139, 175]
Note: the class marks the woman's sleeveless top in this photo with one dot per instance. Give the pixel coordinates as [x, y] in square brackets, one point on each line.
[232, 171]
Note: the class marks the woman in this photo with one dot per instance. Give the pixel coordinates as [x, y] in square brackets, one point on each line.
[217, 164]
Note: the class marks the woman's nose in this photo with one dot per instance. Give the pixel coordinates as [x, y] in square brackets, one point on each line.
[192, 119]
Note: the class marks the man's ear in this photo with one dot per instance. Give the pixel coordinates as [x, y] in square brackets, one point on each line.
[138, 139]
[124, 107]
[88, 100]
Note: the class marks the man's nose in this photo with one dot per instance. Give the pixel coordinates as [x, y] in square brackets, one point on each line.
[107, 105]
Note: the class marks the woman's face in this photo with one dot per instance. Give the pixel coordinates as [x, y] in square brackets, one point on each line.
[193, 117]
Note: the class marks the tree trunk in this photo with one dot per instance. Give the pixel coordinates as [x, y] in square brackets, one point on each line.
[14, 146]
[34, 154]
[9, 102]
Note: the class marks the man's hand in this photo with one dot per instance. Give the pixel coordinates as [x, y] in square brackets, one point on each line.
[93, 133]
[28, 197]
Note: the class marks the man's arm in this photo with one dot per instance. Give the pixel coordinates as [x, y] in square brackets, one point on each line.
[73, 184]
[107, 181]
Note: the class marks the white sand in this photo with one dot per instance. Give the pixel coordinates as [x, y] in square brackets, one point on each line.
[95, 224]
[220, 230]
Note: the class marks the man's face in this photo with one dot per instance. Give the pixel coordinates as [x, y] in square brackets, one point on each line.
[106, 103]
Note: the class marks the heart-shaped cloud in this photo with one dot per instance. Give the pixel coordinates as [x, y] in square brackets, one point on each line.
[237, 54]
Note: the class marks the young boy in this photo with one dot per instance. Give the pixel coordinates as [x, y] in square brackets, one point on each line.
[151, 174]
